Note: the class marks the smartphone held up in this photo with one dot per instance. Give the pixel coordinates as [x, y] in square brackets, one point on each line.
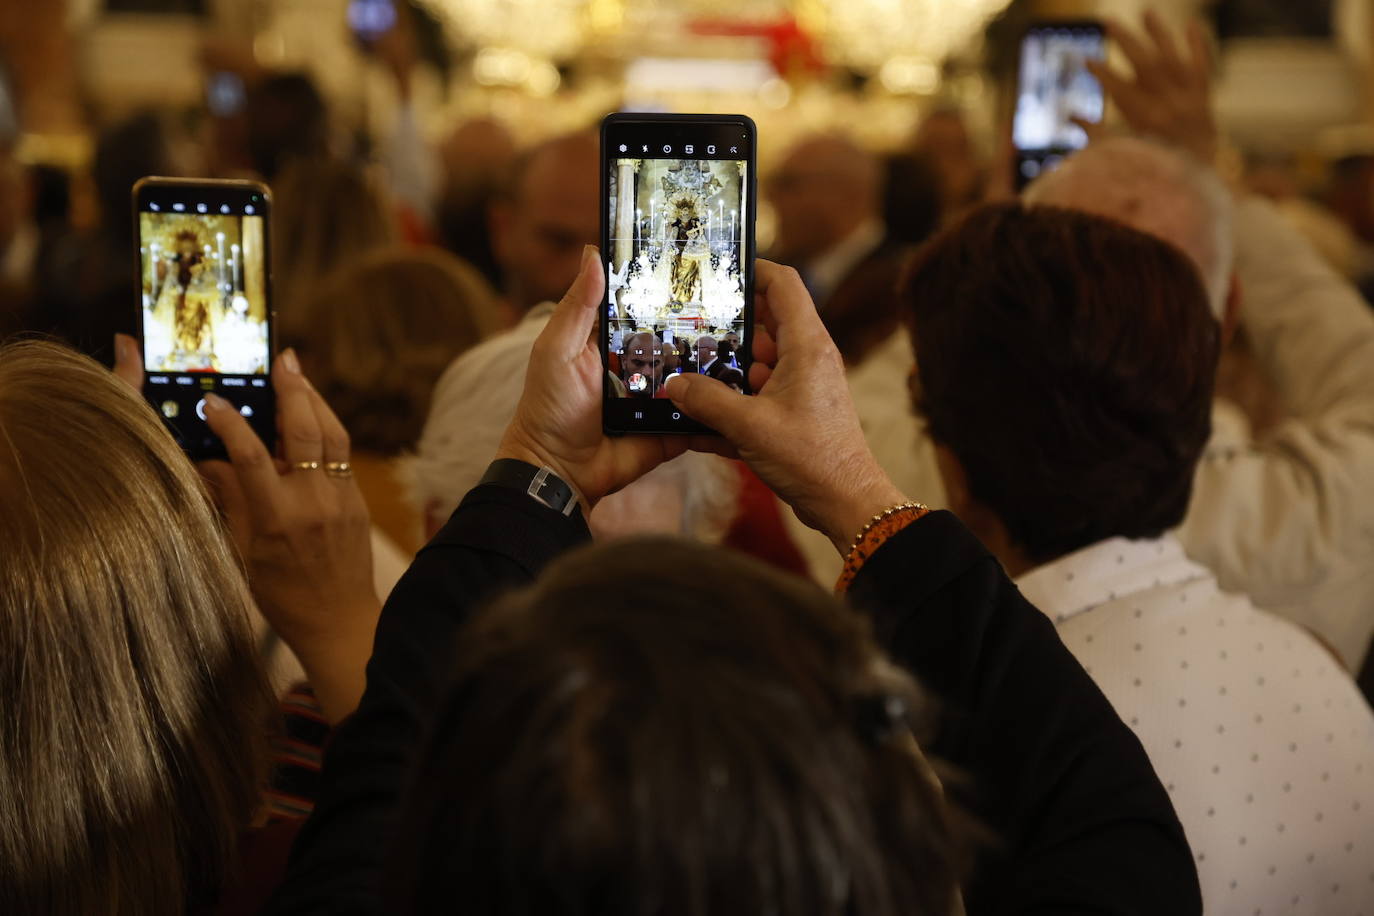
[677, 237]
[204, 310]
[1053, 88]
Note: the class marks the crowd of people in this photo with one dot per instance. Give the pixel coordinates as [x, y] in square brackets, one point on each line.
[1034, 577]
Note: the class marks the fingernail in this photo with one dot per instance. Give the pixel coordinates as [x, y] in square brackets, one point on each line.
[289, 361]
[668, 385]
[215, 402]
[122, 348]
[589, 257]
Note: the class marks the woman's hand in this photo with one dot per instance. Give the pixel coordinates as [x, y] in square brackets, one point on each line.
[558, 421]
[301, 526]
[800, 434]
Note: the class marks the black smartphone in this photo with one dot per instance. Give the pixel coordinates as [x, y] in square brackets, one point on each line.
[677, 241]
[204, 304]
[1053, 86]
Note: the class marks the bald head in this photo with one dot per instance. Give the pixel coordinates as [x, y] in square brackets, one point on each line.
[826, 187]
[547, 215]
[1156, 190]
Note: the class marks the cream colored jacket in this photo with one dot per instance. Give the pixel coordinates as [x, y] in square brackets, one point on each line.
[1289, 520]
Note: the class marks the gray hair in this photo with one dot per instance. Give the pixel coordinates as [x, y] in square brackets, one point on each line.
[1158, 190]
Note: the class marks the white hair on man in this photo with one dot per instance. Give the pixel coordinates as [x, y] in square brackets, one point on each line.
[1157, 190]
[695, 495]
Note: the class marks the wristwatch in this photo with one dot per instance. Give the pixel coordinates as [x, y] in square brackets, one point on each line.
[542, 484]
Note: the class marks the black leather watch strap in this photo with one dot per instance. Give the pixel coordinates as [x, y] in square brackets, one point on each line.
[542, 484]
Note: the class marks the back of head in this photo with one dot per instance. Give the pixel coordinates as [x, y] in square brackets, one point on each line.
[1155, 189]
[619, 741]
[328, 213]
[124, 153]
[134, 705]
[1067, 361]
[287, 120]
[377, 334]
[911, 198]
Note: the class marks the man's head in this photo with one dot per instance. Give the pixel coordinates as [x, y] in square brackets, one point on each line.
[1157, 190]
[642, 355]
[581, 763]
[706, 350]
[1066, 365]
[826, 187]
[287, 119]
[546, 216]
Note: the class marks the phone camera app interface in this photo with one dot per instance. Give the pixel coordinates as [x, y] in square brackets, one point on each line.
[1055, 88]
[674, 266]
[204, 293]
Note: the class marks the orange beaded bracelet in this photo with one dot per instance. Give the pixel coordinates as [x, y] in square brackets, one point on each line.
[873, 535]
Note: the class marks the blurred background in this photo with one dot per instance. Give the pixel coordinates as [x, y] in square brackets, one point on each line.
[435, 94]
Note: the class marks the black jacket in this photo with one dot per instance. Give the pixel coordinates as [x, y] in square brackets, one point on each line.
[1085, 825]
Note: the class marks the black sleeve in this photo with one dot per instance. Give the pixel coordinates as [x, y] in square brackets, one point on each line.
[498, 539]
[1082, 822]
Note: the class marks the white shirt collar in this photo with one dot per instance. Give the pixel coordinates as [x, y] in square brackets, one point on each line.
[1109, 570]
[827, 271]
[539, 312]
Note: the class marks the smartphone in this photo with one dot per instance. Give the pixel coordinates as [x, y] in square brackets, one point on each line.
[677, 241]
[370, 20]
[1053, 86]
[225, 94]
[204, 304]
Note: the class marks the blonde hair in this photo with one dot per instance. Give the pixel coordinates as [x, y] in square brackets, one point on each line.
[131, 755]
[378, 334]
[327, 214]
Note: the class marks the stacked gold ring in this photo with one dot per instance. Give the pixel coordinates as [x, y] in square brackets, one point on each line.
[340, 469]
[305, 466]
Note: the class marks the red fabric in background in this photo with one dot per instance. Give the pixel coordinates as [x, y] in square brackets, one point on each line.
[758, 528]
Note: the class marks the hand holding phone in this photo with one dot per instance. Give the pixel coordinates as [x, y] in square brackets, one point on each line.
[677, 234]
[204, 312]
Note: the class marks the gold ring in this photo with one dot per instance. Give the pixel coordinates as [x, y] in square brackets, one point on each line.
[340, 469]
[306, 466]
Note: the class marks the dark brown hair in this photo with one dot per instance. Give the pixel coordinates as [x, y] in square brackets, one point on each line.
[376, 336]
[131, 755]
[726, 739]
[1067, 361]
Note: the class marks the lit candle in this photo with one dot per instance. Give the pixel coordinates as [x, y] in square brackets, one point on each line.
[236, 263]
[223, 280]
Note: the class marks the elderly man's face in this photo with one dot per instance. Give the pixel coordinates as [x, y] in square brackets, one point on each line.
[706, 351]
[643, 356]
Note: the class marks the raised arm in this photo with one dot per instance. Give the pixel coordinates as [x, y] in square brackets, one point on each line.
[1082, 822]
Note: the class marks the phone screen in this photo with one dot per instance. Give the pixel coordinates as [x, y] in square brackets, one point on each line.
[204, 311]
[1053, 88]
[371, 19]
[225, 94]
[678, 243]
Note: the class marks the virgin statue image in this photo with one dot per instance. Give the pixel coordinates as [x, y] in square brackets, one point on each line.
[190, 297]
[689, 252]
